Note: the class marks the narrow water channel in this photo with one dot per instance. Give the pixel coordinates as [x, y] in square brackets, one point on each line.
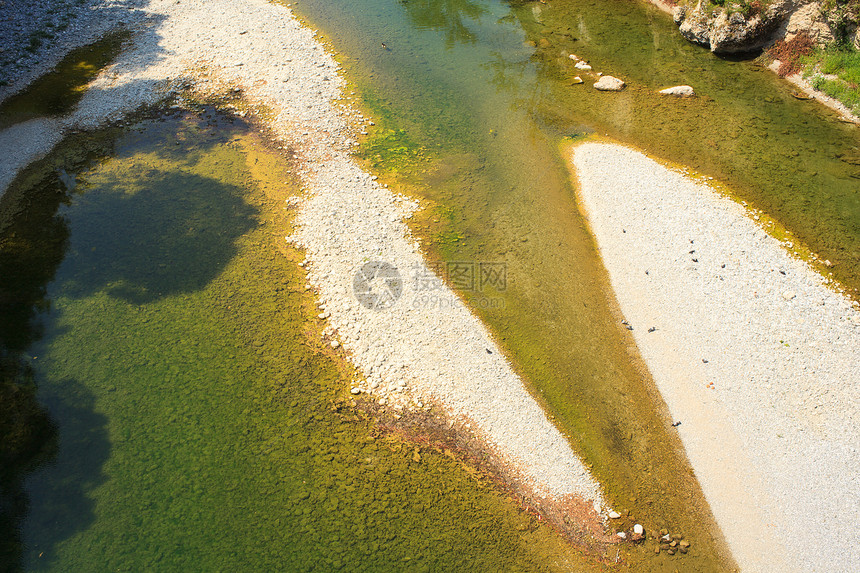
[186, 418]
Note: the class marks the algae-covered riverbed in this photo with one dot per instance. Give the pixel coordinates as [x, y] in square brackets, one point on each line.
[197, 424]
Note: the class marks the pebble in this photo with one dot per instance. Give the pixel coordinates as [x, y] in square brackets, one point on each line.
[355, 391]
[614, 515]
[638, 529]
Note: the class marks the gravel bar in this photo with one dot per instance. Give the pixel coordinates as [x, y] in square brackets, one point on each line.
[756, 357]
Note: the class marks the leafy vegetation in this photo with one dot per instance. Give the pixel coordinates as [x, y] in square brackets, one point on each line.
[790, 54]
[835, 71]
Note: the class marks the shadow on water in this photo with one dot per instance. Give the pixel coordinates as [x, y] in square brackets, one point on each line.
[102, 245]
[33, 242]
[181, 245]
[61, 503]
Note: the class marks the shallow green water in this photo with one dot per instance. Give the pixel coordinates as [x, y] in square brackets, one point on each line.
[197, 426]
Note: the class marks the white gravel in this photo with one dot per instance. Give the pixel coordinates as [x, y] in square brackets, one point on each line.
[345, 220]
[775, 443]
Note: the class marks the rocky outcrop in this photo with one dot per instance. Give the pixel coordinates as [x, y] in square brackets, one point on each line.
[727, 31]
[734, 28]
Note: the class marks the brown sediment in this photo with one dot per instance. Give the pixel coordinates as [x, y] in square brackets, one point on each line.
[573, 517]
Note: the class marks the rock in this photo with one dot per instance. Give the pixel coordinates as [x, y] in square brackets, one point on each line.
[335, 344]
[582, 66]
[355, 391]
[679, 91]
[788, 295]
[657, 550]
[576, 80]
[637, 538]
[684, 544]
[609, 84]
[728, 33]
[638, 529]
[811, 19]
[614, 515]
[622, 535]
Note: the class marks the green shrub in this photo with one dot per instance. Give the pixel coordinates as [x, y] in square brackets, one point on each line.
[843, 63]
[840, 90]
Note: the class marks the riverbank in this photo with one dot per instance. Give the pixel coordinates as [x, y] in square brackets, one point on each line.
[818, 95]
[408, 357]
[756, 357]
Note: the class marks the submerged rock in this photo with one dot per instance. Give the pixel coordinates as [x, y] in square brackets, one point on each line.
[609, 84]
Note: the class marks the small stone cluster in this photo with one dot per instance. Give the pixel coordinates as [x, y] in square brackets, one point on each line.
[671, 543]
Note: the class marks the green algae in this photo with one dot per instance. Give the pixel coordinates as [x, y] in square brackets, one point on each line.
[200, 428]
[57, 92]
